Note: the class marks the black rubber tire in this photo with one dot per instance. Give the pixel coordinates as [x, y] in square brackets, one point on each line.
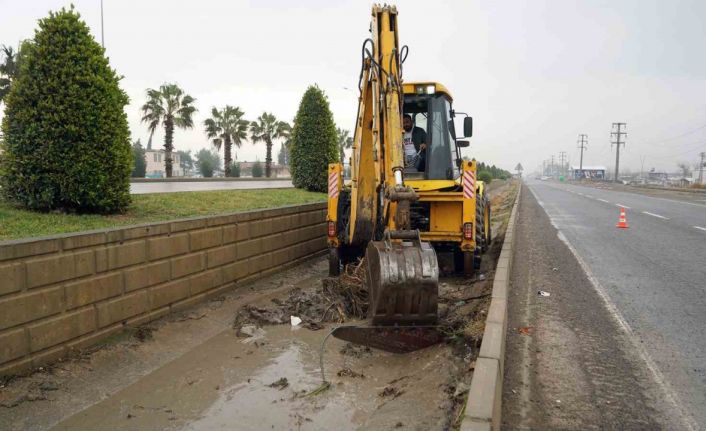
[480, 228]
[334, 262]
[487, 232]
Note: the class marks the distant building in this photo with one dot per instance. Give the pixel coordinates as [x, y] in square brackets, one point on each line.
[588, 173]
[155, 164]
[657, 177]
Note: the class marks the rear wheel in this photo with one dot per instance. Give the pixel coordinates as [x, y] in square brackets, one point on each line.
[487, 232]
[480, 224]
[334, 262]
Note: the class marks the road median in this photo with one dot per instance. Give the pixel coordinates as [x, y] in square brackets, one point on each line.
[484, 405]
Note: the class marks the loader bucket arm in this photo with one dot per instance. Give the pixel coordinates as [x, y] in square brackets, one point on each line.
[402, 271]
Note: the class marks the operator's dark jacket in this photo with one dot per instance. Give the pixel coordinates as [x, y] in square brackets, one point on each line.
[419, 137]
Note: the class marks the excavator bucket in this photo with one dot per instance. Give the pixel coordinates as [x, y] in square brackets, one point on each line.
[402, 278]
[403, 281]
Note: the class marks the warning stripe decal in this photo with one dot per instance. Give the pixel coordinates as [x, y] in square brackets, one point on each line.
[469, 184]
[333, 185]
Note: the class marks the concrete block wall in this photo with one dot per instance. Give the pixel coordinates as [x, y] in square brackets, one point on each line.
[67, 292]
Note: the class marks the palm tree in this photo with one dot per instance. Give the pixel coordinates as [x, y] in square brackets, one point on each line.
[173, 108]
[8, 70]
[344, 142]
[266, 129]
[225, 128]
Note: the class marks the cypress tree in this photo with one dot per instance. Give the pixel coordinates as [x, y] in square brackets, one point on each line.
[313, 142]
[67, 143]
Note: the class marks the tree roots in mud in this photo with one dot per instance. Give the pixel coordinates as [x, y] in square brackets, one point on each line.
[340, 299]
[336, 300]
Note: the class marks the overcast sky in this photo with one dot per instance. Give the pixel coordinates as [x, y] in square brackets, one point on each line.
[533, 74]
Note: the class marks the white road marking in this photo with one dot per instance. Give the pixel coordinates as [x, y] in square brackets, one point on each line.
[666, 387]
[603, 200]
[623, 206]
[582, 194]
[589, 196]
[700, 228]
[655, 215]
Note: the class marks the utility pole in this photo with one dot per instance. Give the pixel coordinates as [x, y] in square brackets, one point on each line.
[552, 169]
[583, 140]
[562, 170]
[618, 133]
[701, 168]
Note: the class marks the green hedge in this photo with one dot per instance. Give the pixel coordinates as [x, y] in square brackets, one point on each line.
[67, 142]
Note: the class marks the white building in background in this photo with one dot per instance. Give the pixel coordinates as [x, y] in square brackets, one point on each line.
[155, 164]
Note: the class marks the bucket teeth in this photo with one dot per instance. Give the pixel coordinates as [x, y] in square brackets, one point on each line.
[390, 338]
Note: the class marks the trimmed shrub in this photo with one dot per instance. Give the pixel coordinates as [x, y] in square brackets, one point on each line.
[313, 142]
[67, 143]
[257, 169]
[139, 164]
[207, 162]
[235, 170]
[485, 176]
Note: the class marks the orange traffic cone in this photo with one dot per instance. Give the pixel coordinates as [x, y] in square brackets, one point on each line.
[622, 222]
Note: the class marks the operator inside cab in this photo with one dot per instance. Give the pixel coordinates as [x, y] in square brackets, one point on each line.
[415, 145]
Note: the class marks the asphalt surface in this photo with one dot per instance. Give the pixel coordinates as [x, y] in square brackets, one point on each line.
[194, 186]
[651, 279]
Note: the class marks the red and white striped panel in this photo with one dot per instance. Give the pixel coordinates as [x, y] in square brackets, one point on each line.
[469, 184]
[333, 185]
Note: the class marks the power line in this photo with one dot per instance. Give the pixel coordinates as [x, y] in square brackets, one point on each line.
[618, 133]
[677, 137]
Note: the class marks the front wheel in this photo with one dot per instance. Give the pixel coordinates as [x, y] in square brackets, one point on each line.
[334, 262]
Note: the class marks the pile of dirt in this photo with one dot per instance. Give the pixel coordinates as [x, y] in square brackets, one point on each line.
[335, 301]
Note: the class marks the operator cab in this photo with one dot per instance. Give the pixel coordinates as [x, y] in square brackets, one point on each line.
[429, 107]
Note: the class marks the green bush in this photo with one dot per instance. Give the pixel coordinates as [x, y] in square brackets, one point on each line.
[139, 164]
[257, 169]
[485, 176]
[207, 162]
[67, 143]
[235, 170]
[313, 142]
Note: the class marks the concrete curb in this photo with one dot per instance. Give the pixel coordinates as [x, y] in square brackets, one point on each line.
[484, 404]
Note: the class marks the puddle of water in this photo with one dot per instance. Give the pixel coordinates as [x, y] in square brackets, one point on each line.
[254, 404]
[223, 384]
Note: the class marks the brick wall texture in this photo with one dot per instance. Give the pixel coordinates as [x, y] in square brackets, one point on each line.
[67, 292]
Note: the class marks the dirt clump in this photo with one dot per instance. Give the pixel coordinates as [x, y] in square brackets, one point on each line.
[280, 384]
[391, 391]
[347, 372]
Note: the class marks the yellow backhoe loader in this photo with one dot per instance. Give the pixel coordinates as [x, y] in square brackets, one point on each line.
[409, 196]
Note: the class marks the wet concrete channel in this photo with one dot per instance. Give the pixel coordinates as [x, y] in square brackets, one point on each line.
[191, 371]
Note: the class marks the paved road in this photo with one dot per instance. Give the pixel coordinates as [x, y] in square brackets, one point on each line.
[193, 186]
[653, 276]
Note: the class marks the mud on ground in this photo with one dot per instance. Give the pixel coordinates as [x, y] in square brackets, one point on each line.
[198, 370]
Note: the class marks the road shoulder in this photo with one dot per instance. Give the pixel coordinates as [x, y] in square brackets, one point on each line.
[568, 365]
